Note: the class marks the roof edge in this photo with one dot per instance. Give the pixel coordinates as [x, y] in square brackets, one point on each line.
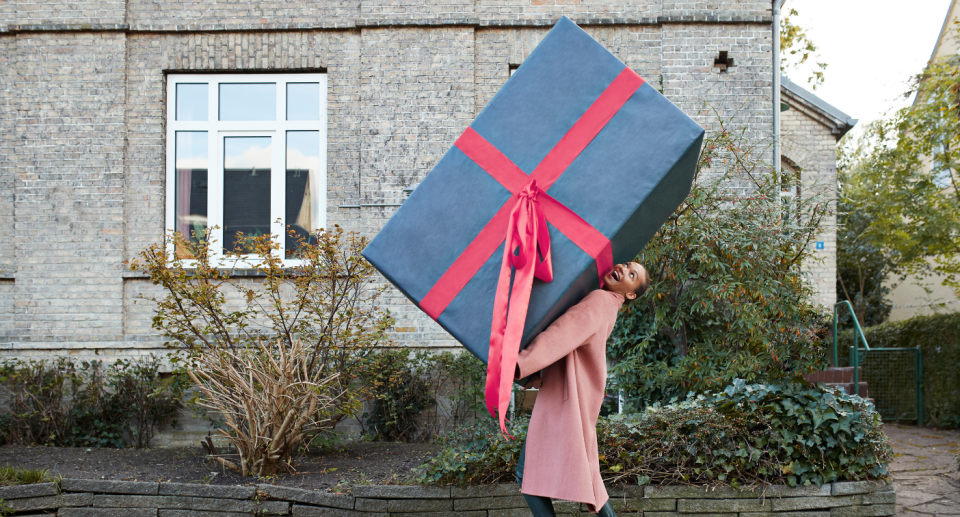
[843, 121]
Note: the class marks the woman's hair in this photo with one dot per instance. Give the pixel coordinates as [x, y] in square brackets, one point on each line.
[642, 288]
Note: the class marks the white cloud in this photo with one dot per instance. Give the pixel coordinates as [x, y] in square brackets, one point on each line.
[252, 157]
[197, 162]
[255, 156]
[297, 160]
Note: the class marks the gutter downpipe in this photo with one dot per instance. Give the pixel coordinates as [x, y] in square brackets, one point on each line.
[777, 4]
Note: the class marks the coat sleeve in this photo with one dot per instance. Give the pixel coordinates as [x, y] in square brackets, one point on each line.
[563, 336]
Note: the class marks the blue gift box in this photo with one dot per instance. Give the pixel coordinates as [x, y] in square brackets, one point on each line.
[624, 183]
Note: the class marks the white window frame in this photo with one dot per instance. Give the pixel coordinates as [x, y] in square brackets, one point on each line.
[217, 130]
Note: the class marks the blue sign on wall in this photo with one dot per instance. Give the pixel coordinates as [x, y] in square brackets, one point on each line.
[819, 245]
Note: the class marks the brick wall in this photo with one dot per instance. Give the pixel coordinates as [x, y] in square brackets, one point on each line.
[741, 95]
[8, 139]
[7, 14]
[180, 15]
[68, 192]
[82, 140]
[416, 97]
[375, 12]
[809, 144]
[582, 11]
[687, 8]
[86, 13]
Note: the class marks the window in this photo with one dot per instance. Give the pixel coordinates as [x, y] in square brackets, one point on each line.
[246, 154]
[940, 168]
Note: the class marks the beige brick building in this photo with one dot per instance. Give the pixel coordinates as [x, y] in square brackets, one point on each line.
[914, 296]
[809, 131]
[87, 118]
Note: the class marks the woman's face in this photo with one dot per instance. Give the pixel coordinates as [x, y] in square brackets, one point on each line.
[625, 279]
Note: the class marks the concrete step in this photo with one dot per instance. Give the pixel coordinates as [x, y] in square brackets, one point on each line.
[849, 388]
[833, 375]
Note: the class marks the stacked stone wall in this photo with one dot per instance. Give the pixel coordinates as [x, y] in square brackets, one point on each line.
[105, 498]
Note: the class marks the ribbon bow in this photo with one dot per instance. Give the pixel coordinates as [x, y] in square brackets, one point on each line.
[527, 249]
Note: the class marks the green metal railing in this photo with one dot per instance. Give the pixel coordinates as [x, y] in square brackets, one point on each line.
[856, 359]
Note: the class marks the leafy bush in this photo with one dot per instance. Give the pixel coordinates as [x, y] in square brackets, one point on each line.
[461, 394]
[149, 399]
[37, 395]
[728, 297]
[399, 390]
[98, 415]
[475, 454]
[414, 395]
[744, 435]
[87, 404]
[862, 265]
[938, 337]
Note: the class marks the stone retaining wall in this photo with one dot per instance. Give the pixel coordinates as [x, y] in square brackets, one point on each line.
[96, 498]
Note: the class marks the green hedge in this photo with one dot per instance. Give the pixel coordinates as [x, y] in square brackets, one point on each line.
[938, 337]
[748, 434]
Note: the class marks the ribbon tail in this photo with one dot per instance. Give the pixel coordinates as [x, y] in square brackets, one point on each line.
[520, 302]
[499, 323]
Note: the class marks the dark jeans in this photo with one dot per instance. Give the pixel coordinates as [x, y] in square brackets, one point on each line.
[543, 506]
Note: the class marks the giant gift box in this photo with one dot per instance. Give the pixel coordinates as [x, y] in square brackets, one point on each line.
[574, 137]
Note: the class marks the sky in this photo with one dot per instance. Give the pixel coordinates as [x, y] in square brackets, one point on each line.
[872, 48]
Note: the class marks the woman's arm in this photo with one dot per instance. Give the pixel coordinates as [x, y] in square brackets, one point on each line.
[563, 336]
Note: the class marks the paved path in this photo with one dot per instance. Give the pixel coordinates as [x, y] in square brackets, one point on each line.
[924, 470]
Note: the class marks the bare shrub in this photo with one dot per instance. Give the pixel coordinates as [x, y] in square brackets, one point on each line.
[317, 316]
[269, 400]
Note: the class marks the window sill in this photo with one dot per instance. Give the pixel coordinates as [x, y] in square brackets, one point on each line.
[233, 272]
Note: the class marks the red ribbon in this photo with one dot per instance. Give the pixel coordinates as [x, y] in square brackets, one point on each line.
[527, 235]
[525, 221]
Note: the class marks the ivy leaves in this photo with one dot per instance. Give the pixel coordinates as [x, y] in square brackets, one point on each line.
[745, 435]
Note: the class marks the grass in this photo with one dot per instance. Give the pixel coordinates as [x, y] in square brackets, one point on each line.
[10, 475]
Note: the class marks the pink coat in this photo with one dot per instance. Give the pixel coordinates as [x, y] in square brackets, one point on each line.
[561, 459]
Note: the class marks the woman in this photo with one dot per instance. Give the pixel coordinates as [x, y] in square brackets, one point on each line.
[559, 457]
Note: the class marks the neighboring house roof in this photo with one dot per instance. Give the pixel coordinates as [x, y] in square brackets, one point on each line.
[952, 13]
[802, 100]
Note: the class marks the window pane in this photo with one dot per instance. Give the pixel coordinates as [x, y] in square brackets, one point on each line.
[302, 188]
[191, 187]
[192, 102]
[246, 188]
[303, 101]
[248, 101]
